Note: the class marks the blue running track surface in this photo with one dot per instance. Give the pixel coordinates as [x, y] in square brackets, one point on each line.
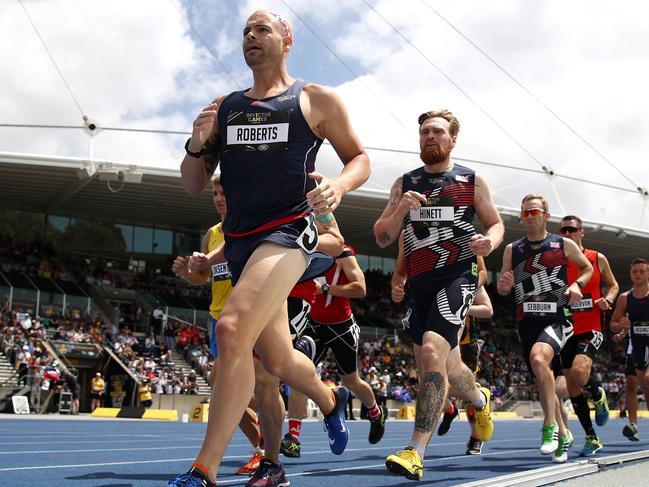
[136, 453]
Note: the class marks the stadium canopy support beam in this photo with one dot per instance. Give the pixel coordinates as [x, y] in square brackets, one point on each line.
[69, 192]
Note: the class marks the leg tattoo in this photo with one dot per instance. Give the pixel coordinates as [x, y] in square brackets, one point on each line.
[429, 403]
[464, 382]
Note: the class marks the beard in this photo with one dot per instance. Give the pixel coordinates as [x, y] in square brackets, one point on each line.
[434, 155]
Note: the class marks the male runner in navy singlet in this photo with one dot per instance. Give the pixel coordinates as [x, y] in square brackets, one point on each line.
[632, 316]
[267, 138]
[436, 204]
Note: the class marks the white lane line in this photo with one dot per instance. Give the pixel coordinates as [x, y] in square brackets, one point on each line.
[376, 465]
[196, 447]
[228, 457]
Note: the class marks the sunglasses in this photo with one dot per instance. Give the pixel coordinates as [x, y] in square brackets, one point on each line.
[568, 229]
[532, 212]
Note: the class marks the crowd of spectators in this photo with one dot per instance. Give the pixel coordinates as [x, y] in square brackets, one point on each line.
[34, 258]
[149, 358]
[21, 341]
[387, 365]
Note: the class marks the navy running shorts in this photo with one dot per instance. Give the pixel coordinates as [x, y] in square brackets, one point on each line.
[297, 234]
[441, 306]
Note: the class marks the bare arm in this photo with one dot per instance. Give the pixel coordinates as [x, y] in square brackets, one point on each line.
[330, 240]
[389, 224]
[577, 257]
[328, 118]
[620, 320]
[181, 267]
[492, 224]
[606, 302]
[506, 279]
[355, 288]
[482, 272]
[399, 276]
[197, 171]
[481, 307]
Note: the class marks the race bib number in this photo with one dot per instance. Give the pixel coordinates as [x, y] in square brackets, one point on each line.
[585, 304]
[442, 215]
[221, 272]
[308, 239]
[597, 340]
[539, 307]
[641, 329]
[258, 131]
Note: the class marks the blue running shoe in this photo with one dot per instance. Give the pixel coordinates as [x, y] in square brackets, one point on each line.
[591, 446]
[335, 422]
[193, 478]
[601, 409]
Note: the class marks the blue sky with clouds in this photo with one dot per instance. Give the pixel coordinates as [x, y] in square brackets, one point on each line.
[140, 65]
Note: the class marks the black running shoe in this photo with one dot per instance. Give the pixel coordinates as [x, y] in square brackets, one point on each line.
[307, 346]
[445, 425]
[377, 426]
[289, 446]
[474, 446]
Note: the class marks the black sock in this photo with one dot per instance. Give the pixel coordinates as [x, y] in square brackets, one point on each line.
[580, 405]
[593, 387]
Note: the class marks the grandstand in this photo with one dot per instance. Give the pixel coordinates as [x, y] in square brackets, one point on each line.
[110, 238]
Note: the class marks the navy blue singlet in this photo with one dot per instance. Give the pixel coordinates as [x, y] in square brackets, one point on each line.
[267, 150]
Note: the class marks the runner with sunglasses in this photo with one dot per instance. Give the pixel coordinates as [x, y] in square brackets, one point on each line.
[536, 267]
[580, 349]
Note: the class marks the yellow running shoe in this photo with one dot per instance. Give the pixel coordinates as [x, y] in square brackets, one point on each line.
[484, 427]
[407, 463]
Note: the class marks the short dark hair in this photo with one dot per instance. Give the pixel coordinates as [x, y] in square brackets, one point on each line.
[539, 197]
[639, 260]
[573, 217]
[446, 115]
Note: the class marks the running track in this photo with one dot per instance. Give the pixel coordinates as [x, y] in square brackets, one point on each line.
[135, 453]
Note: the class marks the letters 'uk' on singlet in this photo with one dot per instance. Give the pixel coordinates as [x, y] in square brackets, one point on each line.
[540, 278]
[267, 151]
[437, 235]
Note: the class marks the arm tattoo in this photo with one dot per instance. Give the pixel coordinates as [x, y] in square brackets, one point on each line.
[396, 192]
[212, 154]
[430, 400]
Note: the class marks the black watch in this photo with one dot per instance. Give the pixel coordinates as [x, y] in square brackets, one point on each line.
[325, 288]
[190, 153]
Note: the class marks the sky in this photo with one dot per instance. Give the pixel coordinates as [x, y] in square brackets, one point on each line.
[551, 83]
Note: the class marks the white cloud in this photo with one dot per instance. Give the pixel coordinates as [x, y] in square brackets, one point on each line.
[138, 64]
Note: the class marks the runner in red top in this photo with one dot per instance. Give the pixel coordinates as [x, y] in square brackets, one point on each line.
[579, 351]
[332, 326]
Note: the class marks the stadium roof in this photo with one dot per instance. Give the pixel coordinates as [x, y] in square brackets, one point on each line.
[127, 193]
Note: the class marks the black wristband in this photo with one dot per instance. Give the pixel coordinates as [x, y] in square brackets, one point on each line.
[610, 303]
[190, 153]
[580, 284]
